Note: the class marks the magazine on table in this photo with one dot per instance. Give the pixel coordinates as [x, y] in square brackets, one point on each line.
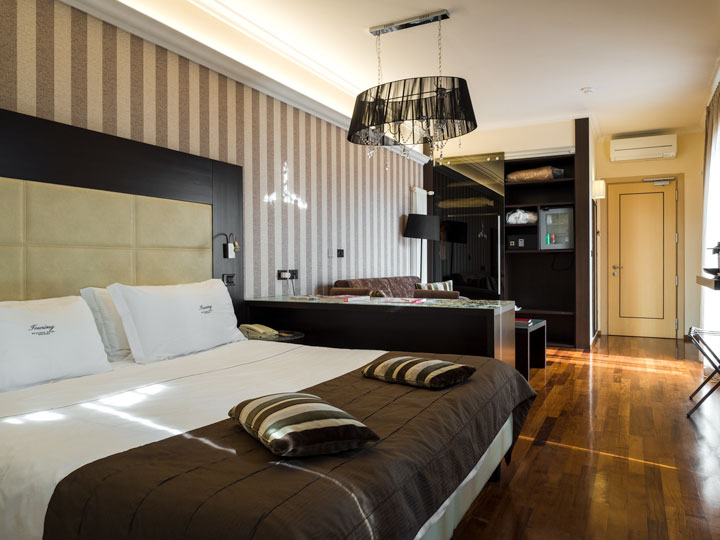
[339, 299]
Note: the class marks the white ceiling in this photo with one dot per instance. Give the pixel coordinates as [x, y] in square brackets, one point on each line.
[651, 62]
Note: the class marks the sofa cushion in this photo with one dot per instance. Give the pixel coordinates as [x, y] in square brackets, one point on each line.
[436, 286]
[396, 287]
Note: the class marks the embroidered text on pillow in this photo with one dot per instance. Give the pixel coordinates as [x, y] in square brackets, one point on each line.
[205, 310]
[41, 329]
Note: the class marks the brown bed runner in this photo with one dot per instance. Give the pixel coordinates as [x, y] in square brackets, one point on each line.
[217, 482]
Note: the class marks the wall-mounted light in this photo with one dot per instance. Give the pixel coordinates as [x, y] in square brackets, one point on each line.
[231, 247]
[599, 189]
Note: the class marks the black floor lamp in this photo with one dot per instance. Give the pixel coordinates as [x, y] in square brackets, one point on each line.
[423, 227]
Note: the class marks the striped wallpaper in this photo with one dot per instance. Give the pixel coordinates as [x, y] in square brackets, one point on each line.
[59, 63]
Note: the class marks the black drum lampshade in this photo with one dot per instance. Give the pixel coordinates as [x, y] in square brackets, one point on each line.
[422, 226]
[412, 111]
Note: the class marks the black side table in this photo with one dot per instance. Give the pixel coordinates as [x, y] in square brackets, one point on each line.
[530, 344]
[284, 335]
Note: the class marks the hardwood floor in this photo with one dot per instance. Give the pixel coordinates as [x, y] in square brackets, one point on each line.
[607, 450]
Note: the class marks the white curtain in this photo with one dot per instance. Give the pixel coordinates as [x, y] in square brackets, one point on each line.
[711, 223]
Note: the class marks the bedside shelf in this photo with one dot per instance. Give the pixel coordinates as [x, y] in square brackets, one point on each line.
[539, 251]
[507, 225]
[539, 182]
[535, 204]
[547, 312]
[710, 283]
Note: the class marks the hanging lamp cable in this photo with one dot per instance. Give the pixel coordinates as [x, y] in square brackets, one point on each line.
[439, 46]
[379, 58]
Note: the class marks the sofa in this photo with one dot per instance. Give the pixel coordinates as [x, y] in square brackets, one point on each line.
[396, 287]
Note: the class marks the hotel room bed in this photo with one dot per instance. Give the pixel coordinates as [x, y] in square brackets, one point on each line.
[147, 451]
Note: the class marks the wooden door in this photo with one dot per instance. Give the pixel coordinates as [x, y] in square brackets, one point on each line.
[642, 262]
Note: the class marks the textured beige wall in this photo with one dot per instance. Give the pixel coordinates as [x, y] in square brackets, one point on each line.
[58, 63]
[688, 166]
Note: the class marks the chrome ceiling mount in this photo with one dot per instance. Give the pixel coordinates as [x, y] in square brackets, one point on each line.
[410, 22]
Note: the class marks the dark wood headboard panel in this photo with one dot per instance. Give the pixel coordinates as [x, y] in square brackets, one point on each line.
[44, 151]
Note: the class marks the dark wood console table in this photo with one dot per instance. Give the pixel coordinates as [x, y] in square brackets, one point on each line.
[478, 327]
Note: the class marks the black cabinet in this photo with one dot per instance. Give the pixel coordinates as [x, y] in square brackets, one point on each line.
[472, 200]
[553, 285]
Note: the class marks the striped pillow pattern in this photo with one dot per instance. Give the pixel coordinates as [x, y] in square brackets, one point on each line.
[437, 286]
[296, 424]
[415, 371]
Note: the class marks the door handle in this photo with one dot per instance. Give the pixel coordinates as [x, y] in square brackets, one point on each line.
[615, 266]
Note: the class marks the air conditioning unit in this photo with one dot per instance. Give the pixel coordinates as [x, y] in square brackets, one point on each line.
[636, 148]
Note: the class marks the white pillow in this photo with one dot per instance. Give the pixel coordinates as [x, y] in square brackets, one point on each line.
[46, 340]
[172, 320]
[108, 322]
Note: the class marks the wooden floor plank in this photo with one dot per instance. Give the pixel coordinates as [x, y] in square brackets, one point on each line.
[607, 450]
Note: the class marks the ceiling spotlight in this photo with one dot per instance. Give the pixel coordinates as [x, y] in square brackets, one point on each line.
[587, 90]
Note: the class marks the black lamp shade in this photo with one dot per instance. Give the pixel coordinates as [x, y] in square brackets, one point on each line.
[422, 226]
[430, 109]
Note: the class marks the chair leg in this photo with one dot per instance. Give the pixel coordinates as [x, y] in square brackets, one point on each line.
[707, 352]
[703, 399]
[707, 379]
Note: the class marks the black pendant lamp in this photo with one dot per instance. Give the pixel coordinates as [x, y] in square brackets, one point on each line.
[412, 111]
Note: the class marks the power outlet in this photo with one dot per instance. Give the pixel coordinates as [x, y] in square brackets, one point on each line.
[340, 253]
[228, 280]
[287, 274]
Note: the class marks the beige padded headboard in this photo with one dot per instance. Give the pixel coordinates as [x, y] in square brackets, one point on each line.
[55, 240]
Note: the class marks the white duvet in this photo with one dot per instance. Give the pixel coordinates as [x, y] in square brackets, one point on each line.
[48, 431]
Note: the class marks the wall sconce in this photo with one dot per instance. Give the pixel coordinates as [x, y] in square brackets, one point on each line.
[231, 247]
[599, 189]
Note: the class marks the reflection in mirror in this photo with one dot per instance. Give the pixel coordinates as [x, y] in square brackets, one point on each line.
[469, 198]
[488, 170]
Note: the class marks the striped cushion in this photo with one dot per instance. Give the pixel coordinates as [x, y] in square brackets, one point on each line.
[437, 286]
[293, 425]
[414, 371]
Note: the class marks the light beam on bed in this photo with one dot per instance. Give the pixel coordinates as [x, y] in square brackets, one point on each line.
[126, 399]
[337, 483]
[131, 418]
[149, 423]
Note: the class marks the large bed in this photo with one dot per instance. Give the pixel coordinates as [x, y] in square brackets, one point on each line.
[127, 453]
[146, 450]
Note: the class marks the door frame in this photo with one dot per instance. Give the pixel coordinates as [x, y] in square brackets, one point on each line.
[603, 280]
